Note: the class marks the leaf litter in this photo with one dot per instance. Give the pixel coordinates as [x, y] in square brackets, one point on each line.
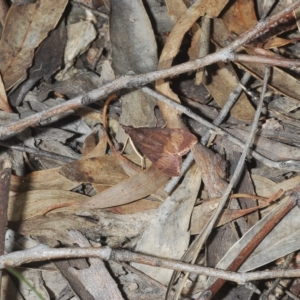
[71, 182]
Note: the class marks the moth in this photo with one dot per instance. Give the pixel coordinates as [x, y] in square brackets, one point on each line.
[164, 147]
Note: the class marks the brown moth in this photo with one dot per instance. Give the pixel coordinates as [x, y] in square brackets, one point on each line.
[163, 146]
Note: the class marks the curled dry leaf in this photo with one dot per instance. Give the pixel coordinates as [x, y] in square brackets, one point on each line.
[26, 26]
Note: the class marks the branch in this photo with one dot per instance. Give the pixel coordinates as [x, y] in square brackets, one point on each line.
[43, 253]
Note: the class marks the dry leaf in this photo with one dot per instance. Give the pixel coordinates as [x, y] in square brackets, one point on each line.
[136, 187]
[138, 51]
[265, 187]
[80, 35]
[35, 203]
[276, 244]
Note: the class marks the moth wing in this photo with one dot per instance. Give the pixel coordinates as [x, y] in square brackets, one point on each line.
[170, 140]
[166, 163]
[181, 141]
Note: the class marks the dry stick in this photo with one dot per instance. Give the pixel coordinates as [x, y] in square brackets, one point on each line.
[4, 192]
[198, 243]
[225, 54]
[289, 165]
[44, 253]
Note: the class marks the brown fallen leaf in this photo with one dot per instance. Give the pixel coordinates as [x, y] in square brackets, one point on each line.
[35, 203]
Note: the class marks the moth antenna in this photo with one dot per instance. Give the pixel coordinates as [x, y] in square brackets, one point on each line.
[124, 146]
[165, 125]
[143, 164]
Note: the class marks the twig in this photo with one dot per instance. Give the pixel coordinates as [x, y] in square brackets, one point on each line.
[225, 54]
[44, 253]
[270, 60]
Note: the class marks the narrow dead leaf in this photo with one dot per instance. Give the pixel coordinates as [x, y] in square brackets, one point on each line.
[35, 203]
[136, 187]
[199, 8]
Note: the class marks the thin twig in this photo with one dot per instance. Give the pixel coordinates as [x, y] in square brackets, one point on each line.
[44, 253]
